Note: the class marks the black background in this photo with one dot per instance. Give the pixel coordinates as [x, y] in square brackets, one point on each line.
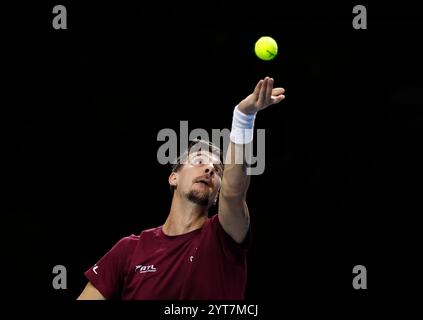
[81, 109]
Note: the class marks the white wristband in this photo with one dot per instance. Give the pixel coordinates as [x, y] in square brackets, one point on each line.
[242, 127]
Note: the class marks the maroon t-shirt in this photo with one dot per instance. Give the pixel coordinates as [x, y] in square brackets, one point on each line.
[204, 264]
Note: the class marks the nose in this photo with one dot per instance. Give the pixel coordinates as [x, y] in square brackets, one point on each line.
[209, 169]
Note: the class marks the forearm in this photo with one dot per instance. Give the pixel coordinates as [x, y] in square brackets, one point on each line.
[235, 180]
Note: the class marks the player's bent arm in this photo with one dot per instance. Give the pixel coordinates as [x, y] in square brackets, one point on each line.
[90, 293]
[233, 210]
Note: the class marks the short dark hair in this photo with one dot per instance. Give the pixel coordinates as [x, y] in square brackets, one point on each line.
[196, 145]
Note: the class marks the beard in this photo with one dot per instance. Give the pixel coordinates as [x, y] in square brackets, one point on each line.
[200, 198]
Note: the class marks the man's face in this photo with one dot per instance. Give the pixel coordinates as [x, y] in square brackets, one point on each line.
[200, 178]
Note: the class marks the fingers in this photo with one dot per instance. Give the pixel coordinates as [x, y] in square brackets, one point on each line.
[263, 93]
[278, 91]
[277, 95]
[268, 92]
[277, 99]
[257, 88]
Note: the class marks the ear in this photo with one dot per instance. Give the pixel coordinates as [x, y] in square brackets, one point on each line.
[173, 179]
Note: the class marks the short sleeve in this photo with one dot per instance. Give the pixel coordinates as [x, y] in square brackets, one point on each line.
[107, 274]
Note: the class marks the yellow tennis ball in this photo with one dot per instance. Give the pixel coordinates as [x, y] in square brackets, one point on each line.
[266, 48]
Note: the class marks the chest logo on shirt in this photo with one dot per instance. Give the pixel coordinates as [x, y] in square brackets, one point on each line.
[145, 268]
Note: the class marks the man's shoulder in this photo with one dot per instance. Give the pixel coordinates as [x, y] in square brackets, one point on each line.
[152, 232]
[132, 240]
[128, 241]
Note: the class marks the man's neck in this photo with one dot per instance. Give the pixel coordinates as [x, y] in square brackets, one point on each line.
[184, 216]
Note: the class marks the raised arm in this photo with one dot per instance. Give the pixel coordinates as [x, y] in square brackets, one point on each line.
[233, 210]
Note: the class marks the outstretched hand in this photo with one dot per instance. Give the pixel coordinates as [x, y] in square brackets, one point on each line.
[263, 96]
